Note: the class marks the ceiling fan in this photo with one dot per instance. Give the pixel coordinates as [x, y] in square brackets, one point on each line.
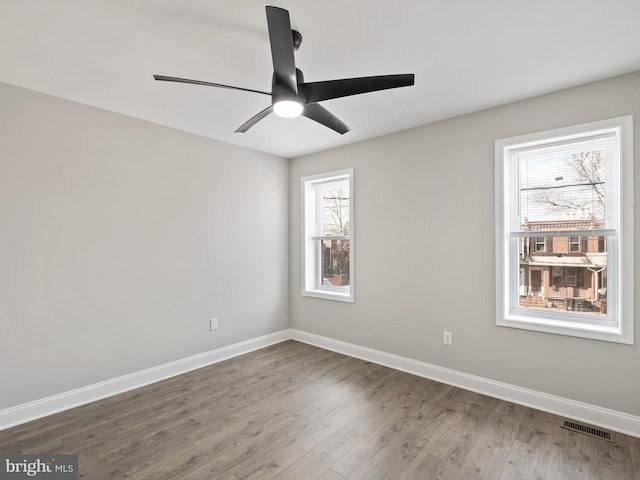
[290, 95]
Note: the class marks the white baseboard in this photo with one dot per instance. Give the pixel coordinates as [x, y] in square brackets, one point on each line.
[57, 403]
[594, 415]
[602, 417]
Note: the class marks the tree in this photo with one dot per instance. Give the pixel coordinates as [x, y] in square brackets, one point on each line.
[583, 188]
[336, 210]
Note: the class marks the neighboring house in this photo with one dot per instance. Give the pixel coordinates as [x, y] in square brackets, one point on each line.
[335, 259]
[563, 272]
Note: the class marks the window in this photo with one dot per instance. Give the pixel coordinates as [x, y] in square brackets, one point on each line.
[575, 277]
[602, 244]
[539, 244]
[327, 243]
[574, 187]
[574, 244]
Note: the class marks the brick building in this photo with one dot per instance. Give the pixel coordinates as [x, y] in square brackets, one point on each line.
[563, 272]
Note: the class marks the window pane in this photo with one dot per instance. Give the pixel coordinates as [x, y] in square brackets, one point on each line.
[564, 279]
[335, 262]
[574, 244]
[602, 244]
[559, 184]
[335, 208]
[562, 187]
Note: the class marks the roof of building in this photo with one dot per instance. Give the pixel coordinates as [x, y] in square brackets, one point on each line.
[590, 260]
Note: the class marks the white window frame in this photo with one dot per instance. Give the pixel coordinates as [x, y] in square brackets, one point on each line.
[311, 254]
[618, 324]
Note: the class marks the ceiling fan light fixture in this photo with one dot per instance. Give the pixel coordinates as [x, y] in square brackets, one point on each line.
[288, 108]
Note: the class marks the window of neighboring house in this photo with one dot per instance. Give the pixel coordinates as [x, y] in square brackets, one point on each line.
[574, 244]
[539, 244]
[574, 183]
[556, 276]
[575, 277]
[327, 243]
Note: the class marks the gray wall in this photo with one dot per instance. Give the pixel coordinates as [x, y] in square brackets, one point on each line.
[424, 257]
[119, 239]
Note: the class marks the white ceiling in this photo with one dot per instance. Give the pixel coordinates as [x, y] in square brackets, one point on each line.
[467, 55]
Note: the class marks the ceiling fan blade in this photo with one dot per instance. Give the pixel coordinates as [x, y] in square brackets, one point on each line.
[253, 120]
[318, 91]
[280, 36]
[317, 112]
[164, 78]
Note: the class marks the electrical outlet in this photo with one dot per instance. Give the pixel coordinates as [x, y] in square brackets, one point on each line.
[213, 325]
[447, 338]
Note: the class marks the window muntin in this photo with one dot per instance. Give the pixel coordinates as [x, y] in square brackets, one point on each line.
[327, 235]
[567, 186]
[574, 243]
[539, 243]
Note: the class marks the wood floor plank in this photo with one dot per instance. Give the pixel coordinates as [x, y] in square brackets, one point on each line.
[401, 453]
[267, 466]
[294, 411]
[525, 462]
[45, 433]
[316, 461]
[609, 461]
[434, 468]
[570, 461]
[234, 440]
[634, 451]
[213, 465]
[452, 446]
[491, 448]
[330, 474]
[634, 448]
[377, 441]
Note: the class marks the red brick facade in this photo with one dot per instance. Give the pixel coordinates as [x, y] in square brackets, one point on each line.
[563, 272]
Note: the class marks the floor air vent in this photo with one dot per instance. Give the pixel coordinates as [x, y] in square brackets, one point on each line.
[587, 430]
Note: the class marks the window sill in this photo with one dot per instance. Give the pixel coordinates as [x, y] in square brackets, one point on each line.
[606, 333]
[326, 295]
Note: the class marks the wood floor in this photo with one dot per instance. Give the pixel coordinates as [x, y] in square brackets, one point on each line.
[293, 411]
